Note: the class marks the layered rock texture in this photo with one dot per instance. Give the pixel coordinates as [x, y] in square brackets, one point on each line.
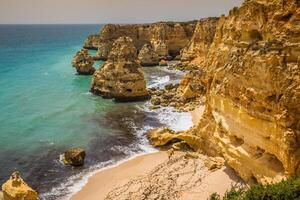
[252, 79]
[253, 91]
[121, 77]
[16, 189]
[167, 38]
[197, 49]
[147, 56]
[83, 63]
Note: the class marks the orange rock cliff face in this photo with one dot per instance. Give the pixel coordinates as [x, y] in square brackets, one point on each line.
[252, 115]
[197, 49]
[121, 77]
[167, 38]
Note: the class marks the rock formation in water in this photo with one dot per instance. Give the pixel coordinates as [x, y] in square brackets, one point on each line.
[121, 77]
[167, 38]
[147, 56]
[74, 157]
[83, 63]
[198, 47]
[16, 189]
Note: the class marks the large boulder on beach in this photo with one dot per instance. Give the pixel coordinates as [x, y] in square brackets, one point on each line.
[15, 188]
[74, 157]
[121, 77]
[148, 56]
[83, 63]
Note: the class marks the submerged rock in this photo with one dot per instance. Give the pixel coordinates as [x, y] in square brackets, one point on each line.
[83, 63]
[74, 157]
[148, 56]
[121, 77]
[16, 189]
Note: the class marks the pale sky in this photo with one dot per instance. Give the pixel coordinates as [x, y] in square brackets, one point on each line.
[109, 11]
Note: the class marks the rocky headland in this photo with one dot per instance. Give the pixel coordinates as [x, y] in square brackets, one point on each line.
[251, 77]
[166, 38]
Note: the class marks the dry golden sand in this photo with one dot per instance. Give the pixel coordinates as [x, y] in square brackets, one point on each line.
[162, 175]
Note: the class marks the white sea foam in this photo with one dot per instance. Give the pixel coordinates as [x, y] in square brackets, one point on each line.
[77, 182]
[159, 81]
[167, 116]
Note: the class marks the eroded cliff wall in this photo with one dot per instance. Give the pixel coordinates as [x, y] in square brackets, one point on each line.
[167, 38]
[252, 115]
[197, 49]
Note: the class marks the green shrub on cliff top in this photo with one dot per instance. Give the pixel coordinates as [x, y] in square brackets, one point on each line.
[285, 190]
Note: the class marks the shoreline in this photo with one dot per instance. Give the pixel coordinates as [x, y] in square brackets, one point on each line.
[108, 180]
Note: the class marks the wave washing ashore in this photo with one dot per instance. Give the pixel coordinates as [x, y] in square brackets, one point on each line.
[46, 109]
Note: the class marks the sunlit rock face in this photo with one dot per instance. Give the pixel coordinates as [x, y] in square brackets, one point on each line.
[167, 38]
[147, 56]
[197, 49]
[253, 91]
[121, 77]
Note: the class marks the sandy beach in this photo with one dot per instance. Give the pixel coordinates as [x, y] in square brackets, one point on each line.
[165, 174]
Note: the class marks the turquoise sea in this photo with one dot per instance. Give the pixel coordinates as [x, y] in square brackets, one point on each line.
[45, 108]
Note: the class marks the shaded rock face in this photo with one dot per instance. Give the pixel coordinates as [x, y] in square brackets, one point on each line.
[198, 47]
[74, 157]
[148, 56]
[167, 38]
[121, 77]
[16, 189]
[83, 63]
[252, 115]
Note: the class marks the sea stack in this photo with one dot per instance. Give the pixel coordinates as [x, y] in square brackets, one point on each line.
[121, 77]
[16, 189]
[83, 63]
[74, 157]
[148, 56]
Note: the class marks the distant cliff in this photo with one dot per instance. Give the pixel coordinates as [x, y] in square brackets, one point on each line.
[167, 38]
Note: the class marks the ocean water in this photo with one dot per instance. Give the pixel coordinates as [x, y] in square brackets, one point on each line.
[45, 108]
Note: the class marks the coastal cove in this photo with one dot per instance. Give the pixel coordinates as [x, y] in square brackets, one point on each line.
[206, 109]
[47, 109]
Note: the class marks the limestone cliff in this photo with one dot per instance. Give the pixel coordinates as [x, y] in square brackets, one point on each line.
[167, 38]
[197, 49]
[121, 77]
[252, 78]
[252, 113]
